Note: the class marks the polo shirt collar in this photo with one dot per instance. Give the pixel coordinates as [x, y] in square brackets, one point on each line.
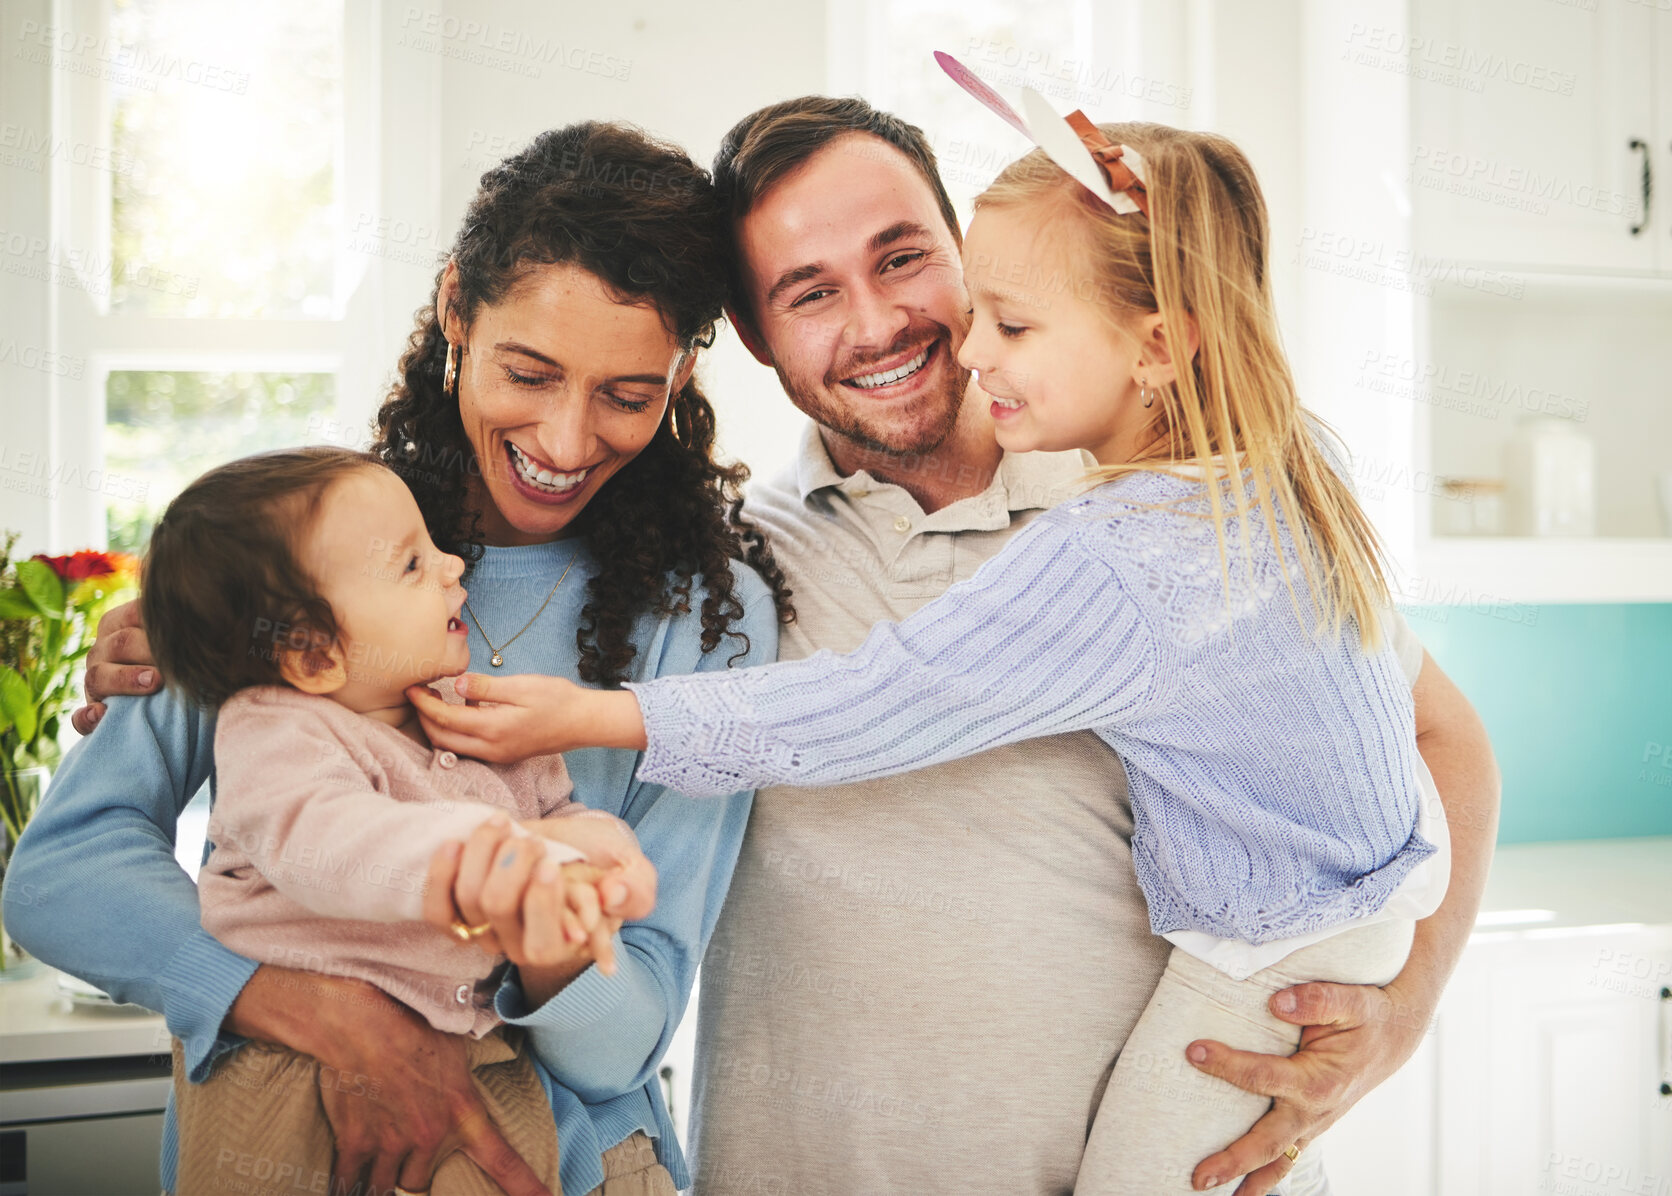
[1024, 481]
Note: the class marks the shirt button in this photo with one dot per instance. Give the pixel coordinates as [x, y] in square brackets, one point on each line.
[902, 524]
[446, 759]
[462, 994]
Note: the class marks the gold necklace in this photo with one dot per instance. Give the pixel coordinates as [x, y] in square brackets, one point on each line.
[498, 657]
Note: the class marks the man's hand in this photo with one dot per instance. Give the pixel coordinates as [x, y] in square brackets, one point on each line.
[400, 1097]
[119, 663]
[1355, 1037]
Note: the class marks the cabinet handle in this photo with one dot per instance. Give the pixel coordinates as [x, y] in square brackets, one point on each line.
[1663, 1053]
[1637, 143]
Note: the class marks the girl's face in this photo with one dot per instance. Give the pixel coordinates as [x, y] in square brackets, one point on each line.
[560, 386]
[1060, 375]
[396, 597]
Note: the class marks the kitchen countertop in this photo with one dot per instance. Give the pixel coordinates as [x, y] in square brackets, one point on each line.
[37, 1023]
[1576, 885]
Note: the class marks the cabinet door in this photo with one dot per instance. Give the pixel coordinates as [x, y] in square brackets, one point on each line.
[1560, 1088]
[1523, 119]
[1660, 226]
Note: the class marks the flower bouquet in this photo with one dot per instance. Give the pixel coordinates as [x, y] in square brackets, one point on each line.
[49, 615]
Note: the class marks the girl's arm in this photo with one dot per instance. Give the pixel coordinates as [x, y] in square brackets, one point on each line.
[1040, 641]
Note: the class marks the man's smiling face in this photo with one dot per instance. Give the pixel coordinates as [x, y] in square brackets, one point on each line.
[857, 297]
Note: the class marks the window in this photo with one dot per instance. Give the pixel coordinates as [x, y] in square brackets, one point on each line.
[203, 282]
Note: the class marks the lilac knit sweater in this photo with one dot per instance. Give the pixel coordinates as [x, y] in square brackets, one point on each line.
[1273, 772]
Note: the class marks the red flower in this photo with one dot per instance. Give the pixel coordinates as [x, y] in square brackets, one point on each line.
[87, 564]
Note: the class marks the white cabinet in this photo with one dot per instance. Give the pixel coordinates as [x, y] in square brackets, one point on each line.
[1544, 1068]
[1551, 1064]
[1532, 128]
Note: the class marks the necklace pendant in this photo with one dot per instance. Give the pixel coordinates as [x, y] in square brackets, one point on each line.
[496, 659]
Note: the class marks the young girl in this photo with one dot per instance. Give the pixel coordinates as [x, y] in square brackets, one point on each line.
[299, 593]
[1211, 610]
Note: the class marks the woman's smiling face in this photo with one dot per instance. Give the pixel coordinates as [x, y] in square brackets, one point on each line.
[560, 386]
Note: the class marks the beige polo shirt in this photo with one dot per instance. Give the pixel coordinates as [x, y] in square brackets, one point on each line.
[917, 984]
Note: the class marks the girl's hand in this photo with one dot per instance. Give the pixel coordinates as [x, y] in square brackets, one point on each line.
[526, 715]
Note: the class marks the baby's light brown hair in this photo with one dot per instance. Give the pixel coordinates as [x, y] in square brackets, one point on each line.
[223, 594]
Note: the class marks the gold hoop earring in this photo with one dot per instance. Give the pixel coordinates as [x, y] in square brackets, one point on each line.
[450, 375]
[673, 421]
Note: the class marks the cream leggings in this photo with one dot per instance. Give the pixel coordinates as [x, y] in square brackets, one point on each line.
[1160, 1117]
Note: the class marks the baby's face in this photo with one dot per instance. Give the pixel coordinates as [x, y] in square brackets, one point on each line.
[397, 598]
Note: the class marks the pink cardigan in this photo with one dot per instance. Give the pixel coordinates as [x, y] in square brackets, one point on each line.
[323, 825]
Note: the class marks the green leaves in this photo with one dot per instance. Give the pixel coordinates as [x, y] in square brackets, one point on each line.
[17, 705]
[15, 604]
[41, 584]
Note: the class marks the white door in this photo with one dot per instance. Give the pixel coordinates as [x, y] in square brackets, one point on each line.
[1531, 127]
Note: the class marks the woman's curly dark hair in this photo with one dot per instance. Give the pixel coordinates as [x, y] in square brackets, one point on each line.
[643, 218]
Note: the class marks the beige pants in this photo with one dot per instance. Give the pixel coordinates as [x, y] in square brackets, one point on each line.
[256, 1127]
[1159, 1116]
[631, 1169]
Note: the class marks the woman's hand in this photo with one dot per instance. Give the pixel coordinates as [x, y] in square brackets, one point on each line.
[397, 1092]
[120, 662]
[1355, 1037]
[526, 715]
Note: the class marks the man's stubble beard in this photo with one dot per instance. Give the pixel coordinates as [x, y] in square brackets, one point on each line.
[926, 430]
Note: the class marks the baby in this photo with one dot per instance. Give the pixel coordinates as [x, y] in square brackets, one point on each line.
[298, 594]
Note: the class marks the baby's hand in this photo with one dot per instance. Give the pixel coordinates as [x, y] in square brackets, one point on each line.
[628, 890]
[501, 891]
[573, 894]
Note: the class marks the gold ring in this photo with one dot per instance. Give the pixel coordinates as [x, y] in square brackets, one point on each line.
[399, 1191]
[1293, 1152]
[465, 933]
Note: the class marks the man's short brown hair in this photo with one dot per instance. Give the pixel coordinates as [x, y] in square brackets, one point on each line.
[772, 142]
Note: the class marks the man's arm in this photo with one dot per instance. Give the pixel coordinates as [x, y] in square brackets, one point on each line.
[1357, 1036]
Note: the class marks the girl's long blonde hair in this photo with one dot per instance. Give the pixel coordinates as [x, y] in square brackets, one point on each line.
[1200, 256]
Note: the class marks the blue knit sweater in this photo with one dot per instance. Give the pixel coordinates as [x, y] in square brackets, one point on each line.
[94, 888]
[1272, 770]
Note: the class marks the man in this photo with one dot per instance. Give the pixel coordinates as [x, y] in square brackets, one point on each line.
[903, 995]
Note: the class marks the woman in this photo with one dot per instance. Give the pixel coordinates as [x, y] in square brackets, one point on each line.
[547, 423]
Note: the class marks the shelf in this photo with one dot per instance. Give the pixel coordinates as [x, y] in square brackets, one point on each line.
[1491, 570]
